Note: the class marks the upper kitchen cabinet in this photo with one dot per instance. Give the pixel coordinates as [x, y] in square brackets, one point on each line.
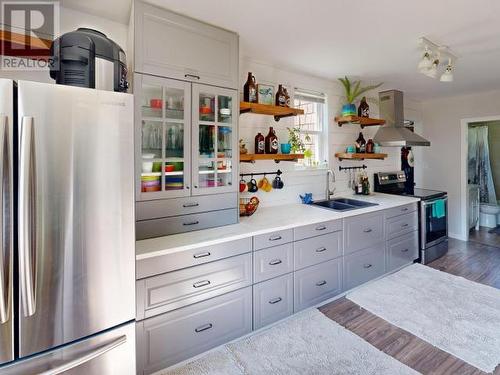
[174, 46]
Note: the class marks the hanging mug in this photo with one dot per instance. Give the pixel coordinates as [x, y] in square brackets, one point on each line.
[278, 183]
[252, 186]
[243, 186]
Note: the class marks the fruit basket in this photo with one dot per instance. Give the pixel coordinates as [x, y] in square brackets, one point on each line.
[248, 206]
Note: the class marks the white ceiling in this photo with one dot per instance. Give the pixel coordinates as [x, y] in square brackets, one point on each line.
[375, 40]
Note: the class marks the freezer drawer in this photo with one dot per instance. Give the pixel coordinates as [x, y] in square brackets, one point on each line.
[167, 339]
[111, 352]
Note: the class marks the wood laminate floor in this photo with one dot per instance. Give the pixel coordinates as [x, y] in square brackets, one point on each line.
[485, 236]
[472, 260]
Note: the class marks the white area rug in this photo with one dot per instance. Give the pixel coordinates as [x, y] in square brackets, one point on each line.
[456, 315]
[308, 343]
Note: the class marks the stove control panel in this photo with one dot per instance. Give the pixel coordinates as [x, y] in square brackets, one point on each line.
[388, 178]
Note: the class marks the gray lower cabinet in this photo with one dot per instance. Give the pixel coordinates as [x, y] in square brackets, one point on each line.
[316, 250]
[402, 250]
[362, 230]
[169, 338]
[317, 229]
[364, 265]
[399, 225]
[281, 237]
[272, 300]
[272, 262]
[180, 288]
[400, 210]
[184, 223]
[193, 257]
[317, 283]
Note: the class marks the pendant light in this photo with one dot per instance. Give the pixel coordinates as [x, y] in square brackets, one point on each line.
[426, 62]
[447, 76]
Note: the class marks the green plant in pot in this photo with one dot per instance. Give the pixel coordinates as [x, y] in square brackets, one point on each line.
[297, 145]
[353, 90]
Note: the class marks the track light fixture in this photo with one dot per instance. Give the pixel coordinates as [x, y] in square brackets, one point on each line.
[429, 64]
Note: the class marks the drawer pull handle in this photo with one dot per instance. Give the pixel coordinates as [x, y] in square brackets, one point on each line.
[191, 223]
[275, 238]
[367, 230]
[191, 76]
[322, 227]
[404, 250]
[275, 300]
[321, 249]
[201, 255]
[404, 209]
[275, 262]
[404, 225]
[321, 283]
[367, 265]
[187, 205]
[203, 328]
[199, 284]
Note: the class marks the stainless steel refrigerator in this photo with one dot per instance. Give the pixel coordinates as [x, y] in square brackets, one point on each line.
[67, 259]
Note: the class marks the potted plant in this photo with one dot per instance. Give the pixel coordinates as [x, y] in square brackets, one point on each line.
[296, 144]
[352, 91]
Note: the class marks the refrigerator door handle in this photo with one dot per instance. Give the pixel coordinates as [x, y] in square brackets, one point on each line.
[5, 238]
[86, 357]
[27, 215]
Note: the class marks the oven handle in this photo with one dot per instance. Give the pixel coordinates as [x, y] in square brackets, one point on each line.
[432, 201]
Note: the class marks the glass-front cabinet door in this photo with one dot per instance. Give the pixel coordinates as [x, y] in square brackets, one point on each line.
[163, 139]
[214, 140]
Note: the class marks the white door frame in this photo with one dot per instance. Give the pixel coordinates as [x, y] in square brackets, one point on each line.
[464, 148]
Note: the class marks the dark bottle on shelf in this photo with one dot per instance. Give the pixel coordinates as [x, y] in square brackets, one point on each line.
[281, 97]
[259, 144]
[360, 143]
[364, 108]
[370, 146]
[287, 98]
[250, 89]
[271, 142]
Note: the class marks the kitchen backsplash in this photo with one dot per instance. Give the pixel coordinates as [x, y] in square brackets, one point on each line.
[297, 179]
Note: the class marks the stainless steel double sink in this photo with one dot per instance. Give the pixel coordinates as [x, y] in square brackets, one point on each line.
[343, 204]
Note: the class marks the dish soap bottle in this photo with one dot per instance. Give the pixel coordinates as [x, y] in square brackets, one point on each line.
[271, 142]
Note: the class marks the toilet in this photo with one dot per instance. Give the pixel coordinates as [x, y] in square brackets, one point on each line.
[489, 215]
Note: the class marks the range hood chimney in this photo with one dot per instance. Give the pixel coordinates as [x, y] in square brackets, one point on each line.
[394, 133]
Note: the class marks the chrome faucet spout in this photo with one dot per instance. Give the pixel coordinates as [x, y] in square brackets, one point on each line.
[329, 192]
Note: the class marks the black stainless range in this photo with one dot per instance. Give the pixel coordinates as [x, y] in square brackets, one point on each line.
[433, 213]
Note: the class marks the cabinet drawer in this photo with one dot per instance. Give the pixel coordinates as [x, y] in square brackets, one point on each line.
[185, 223]
[402, 250]
[176, 289]
[272, 262]
[363, 231]
[272, 300]
[272, 239]
[156, 209]
[317, 283]
[317, 229]
[170, 338]
[317, 249]
[193, 257]
[364, 266]
[400, 210]
[399, 225]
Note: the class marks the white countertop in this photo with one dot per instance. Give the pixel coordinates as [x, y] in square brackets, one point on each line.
[265, 220]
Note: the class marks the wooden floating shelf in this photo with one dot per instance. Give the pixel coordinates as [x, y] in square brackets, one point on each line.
[251, 158]
[359, 156]
[271, 110]
[362, 121]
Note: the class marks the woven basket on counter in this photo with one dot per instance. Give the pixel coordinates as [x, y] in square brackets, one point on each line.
[245, 209]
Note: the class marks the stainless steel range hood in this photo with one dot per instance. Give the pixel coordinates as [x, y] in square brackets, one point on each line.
[394, 133]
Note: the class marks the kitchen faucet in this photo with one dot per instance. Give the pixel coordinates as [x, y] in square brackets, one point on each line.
[329, 192]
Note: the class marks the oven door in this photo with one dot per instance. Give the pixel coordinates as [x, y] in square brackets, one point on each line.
[433, 223]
